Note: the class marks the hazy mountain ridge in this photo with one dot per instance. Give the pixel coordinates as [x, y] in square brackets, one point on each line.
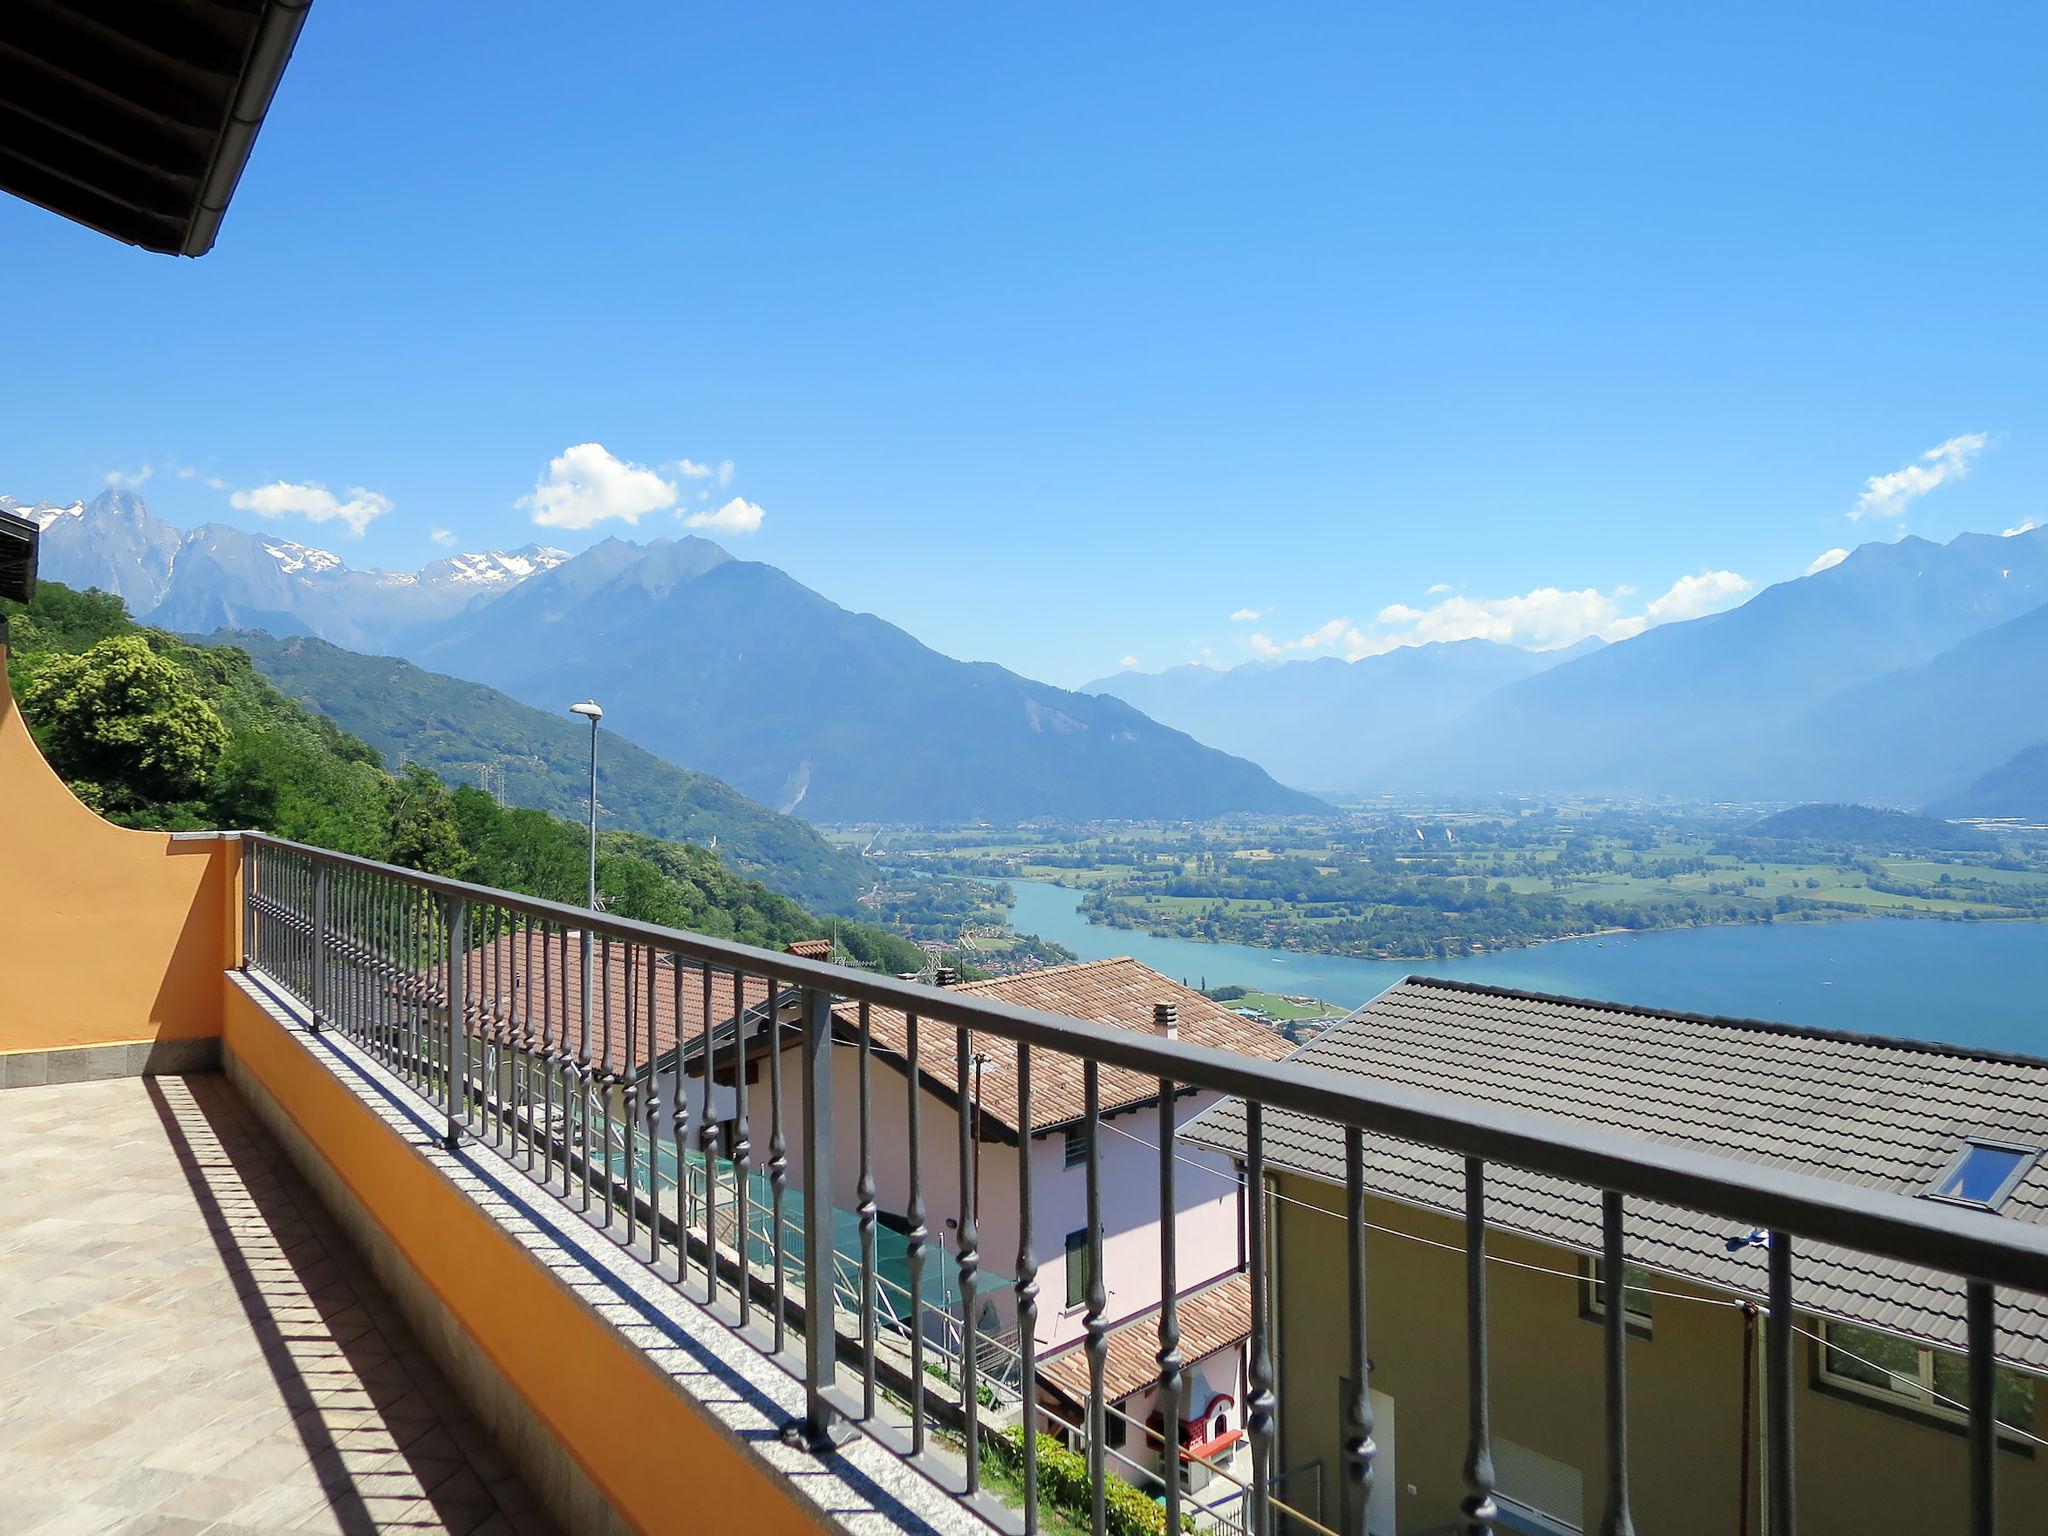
[739, 670]
[1328, 723]
[1757, 702]
[2016, 787]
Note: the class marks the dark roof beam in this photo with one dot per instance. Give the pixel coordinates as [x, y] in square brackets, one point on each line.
[108, 124]
[171, 33]
[135, 90]
[62, 155]
[153, 231]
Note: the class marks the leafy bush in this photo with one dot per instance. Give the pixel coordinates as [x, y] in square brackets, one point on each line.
[1063, 1483]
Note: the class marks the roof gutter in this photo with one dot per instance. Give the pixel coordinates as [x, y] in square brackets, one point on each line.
[276, 35]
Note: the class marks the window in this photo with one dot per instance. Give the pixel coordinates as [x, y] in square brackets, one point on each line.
[1075, 1149]
[1635, 1293]
[1537, 1492]
[1984, 1173]
[1077, 1267]
[1898, 1370]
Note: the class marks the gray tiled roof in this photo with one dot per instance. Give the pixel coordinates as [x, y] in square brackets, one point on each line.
[1888, 1114]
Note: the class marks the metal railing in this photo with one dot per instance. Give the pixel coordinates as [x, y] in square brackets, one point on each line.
[528, 1022]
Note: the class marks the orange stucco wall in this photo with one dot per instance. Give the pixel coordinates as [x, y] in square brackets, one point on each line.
[663, 1468]
[106, 936]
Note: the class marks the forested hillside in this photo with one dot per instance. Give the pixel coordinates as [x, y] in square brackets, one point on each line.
[460, 729]
[153, 731]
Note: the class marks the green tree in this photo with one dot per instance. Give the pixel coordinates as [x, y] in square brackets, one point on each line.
[125, 719]
[421, 832]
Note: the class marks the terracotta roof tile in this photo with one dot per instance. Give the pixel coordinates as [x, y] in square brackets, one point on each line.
[1217, 1317]
[1118, 991]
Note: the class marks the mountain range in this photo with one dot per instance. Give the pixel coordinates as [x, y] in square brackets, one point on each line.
[217, 576]
[736, 668]
[729, 667]
[1901, 675]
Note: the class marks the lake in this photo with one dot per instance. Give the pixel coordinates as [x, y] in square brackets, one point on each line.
[1976, 984]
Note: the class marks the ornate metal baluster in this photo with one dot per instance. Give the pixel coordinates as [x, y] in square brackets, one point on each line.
[453, 1073]
[581, 1068]
[864, 1204]
[1027, 1295]
[1616, 1521]
[778, 1167]
[1359, 1449]
[652, 1091]
[1478, 1506]
[1094, 1323]
[969, 1255]
[742, 1149]
[1779, 1396]
[679, 1128]
[488, 1081]
[1172, 1366]
[551, 1029]
[630, 1106]
[710, 1148]
[914, 1239]
[1258, 1420]
[528, 1043]
[1981, 1330]
[607, 1077]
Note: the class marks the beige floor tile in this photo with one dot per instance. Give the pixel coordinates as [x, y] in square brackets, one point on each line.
[188, 1344]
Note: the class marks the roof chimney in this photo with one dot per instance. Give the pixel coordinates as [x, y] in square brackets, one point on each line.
[1166, 1019]
[945, 976]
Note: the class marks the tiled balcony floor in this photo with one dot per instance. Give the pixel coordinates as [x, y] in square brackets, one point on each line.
[188, 1344]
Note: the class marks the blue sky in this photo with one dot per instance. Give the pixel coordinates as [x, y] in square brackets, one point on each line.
[1059, 334]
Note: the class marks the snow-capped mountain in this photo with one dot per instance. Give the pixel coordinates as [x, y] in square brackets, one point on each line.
[216, 576]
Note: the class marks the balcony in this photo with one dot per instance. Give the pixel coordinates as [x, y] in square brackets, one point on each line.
[355, 1199]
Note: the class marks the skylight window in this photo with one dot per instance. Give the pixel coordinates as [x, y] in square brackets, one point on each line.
[1984, 1173]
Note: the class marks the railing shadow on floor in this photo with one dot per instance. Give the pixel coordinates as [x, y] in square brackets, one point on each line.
[391, 1443]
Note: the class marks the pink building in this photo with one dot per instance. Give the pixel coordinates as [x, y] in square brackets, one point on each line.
[1210, 1218]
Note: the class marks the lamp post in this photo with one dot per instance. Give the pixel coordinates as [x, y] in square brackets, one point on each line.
[590, 711]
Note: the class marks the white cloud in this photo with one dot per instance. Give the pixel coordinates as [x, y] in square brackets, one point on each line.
[1889, 495]
[281, 498]
[1541, 620]
[1246, 616]
[585, 485]
[737, 516]
[1692, 597]
[2026, 527]
[1440, 589]
[1339, 635]
[443, 537]
[1826, 560]
[127, 479]
[1128, 661]
[691, 469]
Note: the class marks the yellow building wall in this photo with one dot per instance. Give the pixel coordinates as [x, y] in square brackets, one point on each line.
[1862, 1471]
[662, 1466]
[107, 936]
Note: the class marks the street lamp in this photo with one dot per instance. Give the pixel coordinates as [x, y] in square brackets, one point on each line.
[589, 710]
